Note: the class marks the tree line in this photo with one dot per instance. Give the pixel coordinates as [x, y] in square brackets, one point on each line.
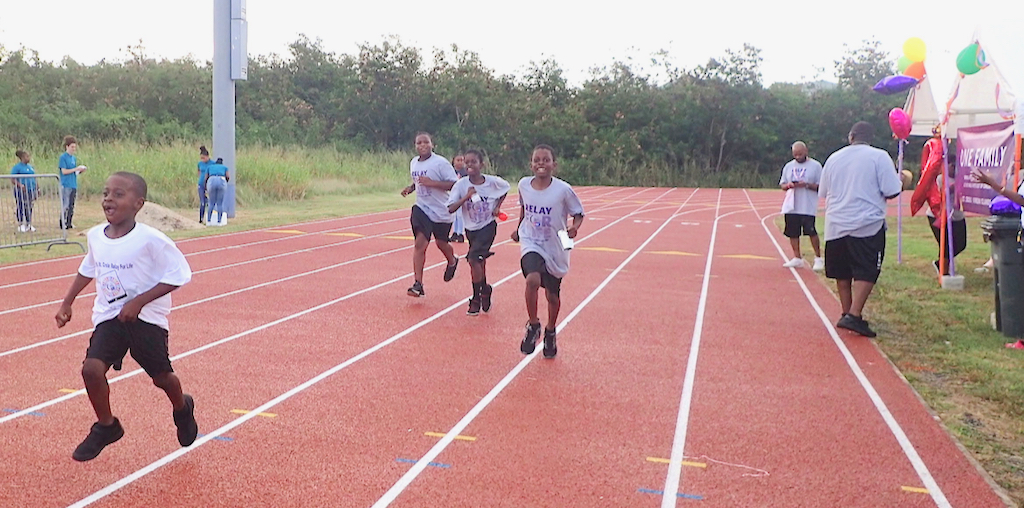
[717, 122]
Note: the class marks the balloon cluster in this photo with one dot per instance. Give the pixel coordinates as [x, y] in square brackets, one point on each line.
[912, 62]
[971, 59]
[911, 69]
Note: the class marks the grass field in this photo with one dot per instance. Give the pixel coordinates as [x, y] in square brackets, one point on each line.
[943, 343]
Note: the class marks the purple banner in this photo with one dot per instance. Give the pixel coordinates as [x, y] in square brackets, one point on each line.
[990, 149]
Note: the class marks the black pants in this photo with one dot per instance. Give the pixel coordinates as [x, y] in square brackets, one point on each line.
[959, 232]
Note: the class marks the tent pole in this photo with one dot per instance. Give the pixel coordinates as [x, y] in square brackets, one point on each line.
[899, 206]
[945, 238]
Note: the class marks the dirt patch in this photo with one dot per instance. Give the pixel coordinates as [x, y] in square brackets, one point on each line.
[164, 219]
[161, 218]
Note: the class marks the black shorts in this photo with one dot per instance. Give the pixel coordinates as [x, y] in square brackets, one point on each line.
[797, 224]
[534, 263]
[480, 242]
[855, 258]
[422, 225]
[147, 342]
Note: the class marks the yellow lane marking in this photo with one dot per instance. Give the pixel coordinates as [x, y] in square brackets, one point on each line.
[344, 234]
[685, 463]
[746, 256]
[672, 253]
[67, 390]
[917, 490]
[442, 434]
[602, 249]
[244, 412]
[287, 231]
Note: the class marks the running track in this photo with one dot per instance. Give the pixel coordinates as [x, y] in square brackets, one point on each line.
[692, 370]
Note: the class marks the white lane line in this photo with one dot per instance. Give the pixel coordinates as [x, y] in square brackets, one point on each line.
[420, 465]
[239, 246]
[84, 295]
[57, 400]
[218, 296]
[106, 491]
[208, 237]
[894, 427]
[326, 231]
[584, 193]
[265, 258]
[675, 465]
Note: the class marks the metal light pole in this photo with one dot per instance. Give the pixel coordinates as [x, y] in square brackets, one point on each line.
[230, 63]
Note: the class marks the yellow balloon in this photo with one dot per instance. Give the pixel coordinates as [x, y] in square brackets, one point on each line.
[914, 49]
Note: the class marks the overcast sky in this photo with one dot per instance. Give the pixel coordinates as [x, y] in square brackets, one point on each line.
[799, 39]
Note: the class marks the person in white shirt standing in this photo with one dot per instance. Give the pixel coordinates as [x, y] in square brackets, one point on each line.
[855, 184]
[135, 268]
[800, 178]
[432, 178]
[545, 203]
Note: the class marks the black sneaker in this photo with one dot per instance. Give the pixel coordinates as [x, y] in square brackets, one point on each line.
[550, 348]
[474, 307]
[856, 325]
[449, 272]
[185, 420]
[529, 343]
[485, 298]
[416, 289]
[460, 238]
[99, 437]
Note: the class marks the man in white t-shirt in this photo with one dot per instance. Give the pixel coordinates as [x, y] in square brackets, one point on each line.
[432, 178]
[135, 268]
[855, 184]
[545, 203]
[800, 178]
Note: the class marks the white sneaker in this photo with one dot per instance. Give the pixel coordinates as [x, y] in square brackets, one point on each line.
[23, 228]
[819, 264]
[794, 263]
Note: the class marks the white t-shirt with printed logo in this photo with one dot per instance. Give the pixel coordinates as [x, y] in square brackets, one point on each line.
[544, 215]
[431, 200]
[802, 201]
[129, 266]
[478, 214]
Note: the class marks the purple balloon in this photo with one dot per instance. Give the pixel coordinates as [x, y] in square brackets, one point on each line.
[894, 84]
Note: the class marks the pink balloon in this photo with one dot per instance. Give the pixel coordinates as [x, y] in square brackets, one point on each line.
[899, 122]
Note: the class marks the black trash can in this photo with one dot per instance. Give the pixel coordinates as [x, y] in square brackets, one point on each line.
[1003, 232]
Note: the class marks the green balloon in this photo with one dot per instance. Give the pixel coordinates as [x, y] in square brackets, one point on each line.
[903, 63]
[967, 60]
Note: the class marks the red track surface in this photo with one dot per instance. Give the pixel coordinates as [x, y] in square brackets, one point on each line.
[772, 392]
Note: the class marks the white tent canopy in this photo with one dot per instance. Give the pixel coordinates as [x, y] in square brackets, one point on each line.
[983, 98]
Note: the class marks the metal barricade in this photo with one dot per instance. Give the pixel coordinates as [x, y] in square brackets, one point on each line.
[30, 217]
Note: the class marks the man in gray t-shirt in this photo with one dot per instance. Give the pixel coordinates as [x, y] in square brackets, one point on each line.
[800, 179]
[855, 184]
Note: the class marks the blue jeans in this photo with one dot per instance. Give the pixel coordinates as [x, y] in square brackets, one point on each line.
[215, 187]
[67, 201]
[23, 200]
[202, 200]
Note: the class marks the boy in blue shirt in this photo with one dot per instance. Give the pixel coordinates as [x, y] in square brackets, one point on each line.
[24, 191]
[69, 168]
